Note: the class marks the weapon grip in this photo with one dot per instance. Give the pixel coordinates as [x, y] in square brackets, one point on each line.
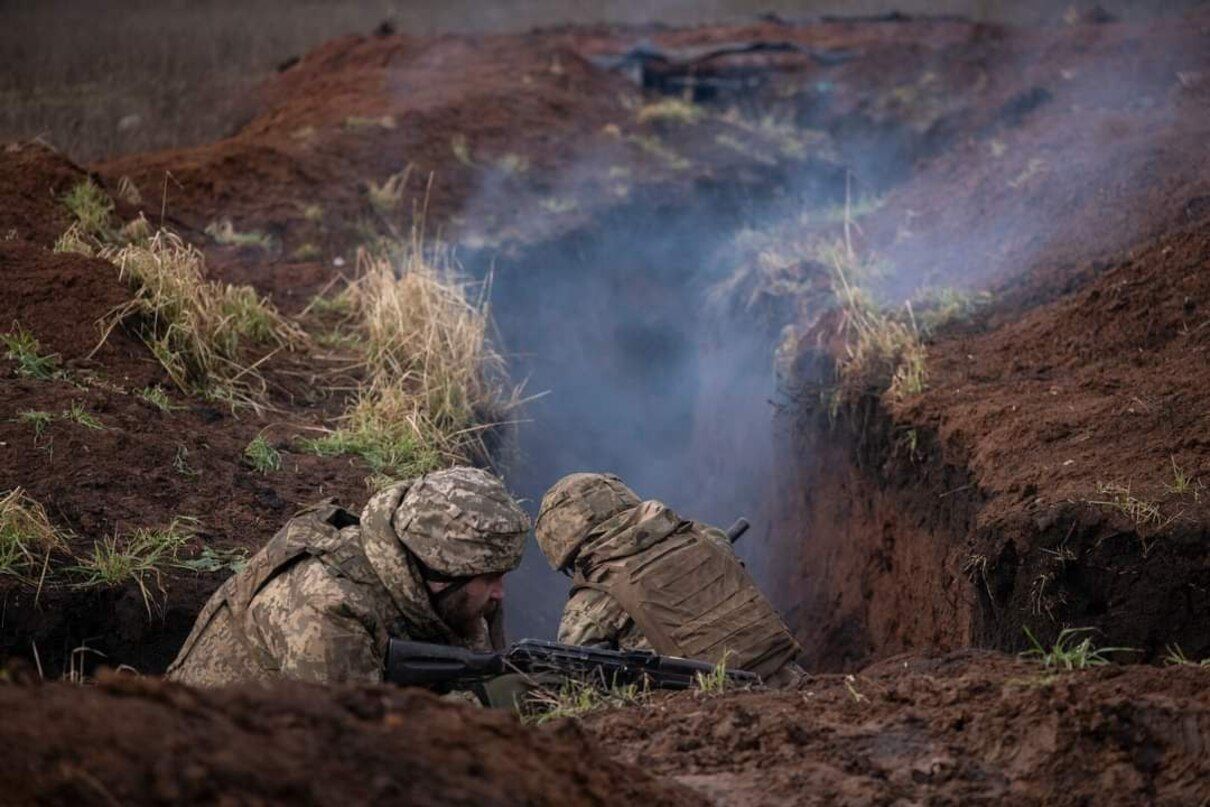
[737, 530]
[423, 664]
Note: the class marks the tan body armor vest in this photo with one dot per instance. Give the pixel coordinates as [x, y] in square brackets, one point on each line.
[693, 598]
[312, 533]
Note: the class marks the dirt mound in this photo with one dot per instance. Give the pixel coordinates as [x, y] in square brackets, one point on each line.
[971, 728]
[35, 178]
[131, 740]
[65, 300]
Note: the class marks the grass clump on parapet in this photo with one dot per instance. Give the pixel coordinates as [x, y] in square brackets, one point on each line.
[262, 456]
[24, 348]
[434, 382]
[141, 557]
[91, 208]
[1070, 652]
[199, 330]
[27, 537]
[575, 699]
[224, 233]
[883, 350]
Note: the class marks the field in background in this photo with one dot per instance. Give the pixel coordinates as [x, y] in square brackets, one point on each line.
[100, 80]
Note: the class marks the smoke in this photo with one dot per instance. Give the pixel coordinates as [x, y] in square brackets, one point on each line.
[645, 377]
[638, 378]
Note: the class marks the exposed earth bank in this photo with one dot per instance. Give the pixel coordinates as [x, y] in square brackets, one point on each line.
[132, 740]
[971, 727]
[1049, 470]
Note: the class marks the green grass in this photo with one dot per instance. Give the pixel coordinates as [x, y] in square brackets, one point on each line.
[39, 420]
[575, 698]
[391, 449]
[157, 398]
[261, 456]
[656, 148]
[883, 350]
[75, 241]
[1177, 658]
[307, 252]
[713, 682]
[356, 122]
[938, 307]
[91, 208]
[386, 197]
[223, 232]
[76, 413]
[141, 557]
[1070, 652]
[24, 348]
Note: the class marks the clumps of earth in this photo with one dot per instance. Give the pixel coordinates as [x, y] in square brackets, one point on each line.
[974, 257]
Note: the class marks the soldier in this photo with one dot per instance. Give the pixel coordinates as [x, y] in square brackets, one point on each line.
[318, 603]
[646, 578]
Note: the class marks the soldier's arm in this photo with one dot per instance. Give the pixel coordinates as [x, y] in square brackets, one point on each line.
[592, 618]
[317, 629]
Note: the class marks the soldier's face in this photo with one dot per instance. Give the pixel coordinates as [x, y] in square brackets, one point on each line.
[477, 599]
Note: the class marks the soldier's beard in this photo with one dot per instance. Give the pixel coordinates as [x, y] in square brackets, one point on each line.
[462, 615]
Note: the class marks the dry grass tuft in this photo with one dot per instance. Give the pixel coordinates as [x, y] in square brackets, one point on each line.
[883, 351]
[223, 232]
[198, 329]
[386, 197]
[670, 110]
[27, 537]
[436, 385]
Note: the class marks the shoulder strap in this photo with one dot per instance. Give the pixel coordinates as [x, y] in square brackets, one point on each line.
[310, 533]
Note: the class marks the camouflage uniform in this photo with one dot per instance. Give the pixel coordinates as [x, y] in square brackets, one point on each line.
[321, 599]
[595, 527]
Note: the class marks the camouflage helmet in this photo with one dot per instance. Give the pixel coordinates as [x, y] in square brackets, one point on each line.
[461, 522]
[573, 507]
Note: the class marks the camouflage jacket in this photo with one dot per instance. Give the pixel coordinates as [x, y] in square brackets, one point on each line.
[318, 603]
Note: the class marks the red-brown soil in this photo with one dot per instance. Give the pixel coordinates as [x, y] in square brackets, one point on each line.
[132, 740]
[962, 514]
[968, 728]
[35, 178]
[101, 483]
[1065, 169]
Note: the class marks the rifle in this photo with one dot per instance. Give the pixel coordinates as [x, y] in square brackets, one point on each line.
[443, 667]
[737, 530]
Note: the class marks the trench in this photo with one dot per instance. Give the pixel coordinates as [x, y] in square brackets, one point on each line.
[638, 375]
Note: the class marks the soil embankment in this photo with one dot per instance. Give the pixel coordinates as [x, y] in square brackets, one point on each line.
[1049, 471]
[967, 728]
[132, 740]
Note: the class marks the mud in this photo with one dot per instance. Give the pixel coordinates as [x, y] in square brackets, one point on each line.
[967, 728]
[131, 740]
